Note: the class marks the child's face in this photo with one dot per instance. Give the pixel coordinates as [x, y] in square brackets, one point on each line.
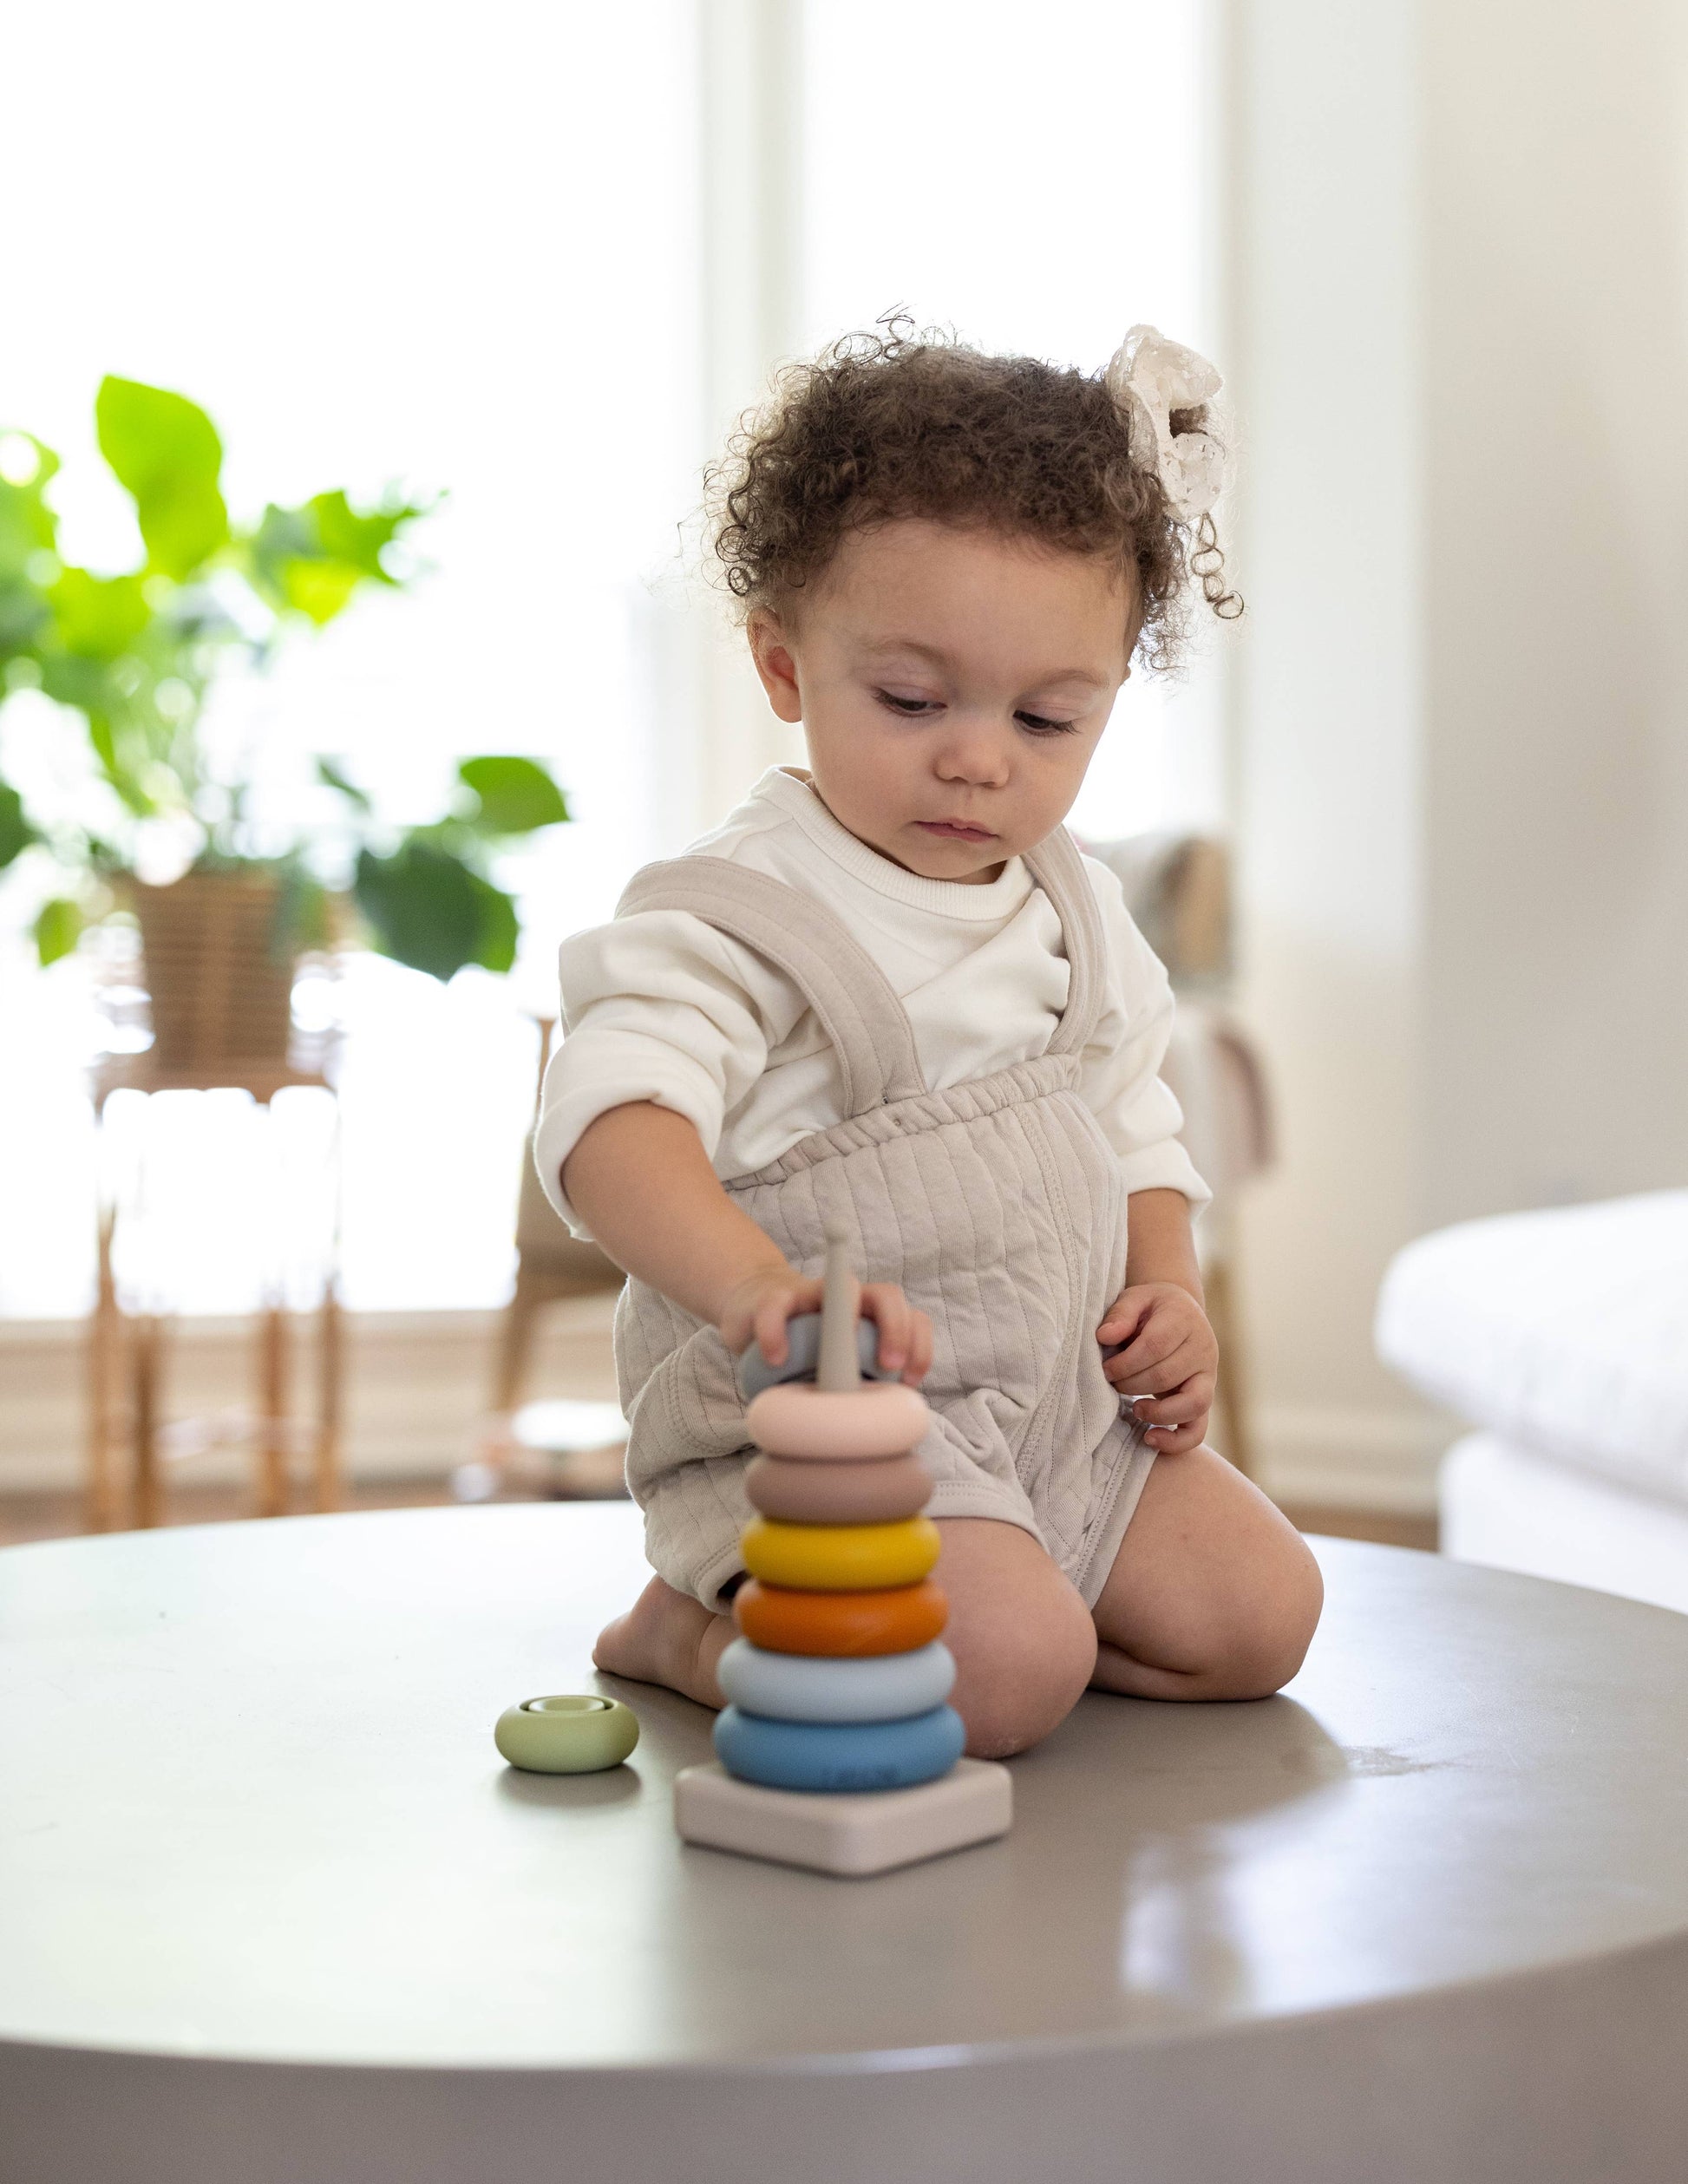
[953, 685]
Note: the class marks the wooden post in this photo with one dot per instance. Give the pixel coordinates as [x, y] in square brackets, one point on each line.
[838, 1367]
[272, 1424]
[331, 1350]
[330, 1362]
[144, 1354]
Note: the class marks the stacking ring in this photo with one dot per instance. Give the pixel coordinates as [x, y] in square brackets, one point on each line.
[839, 1755]
[788, 1687]
[840, 1624]
[816, 1424]
[840, 1557]
[879, 1491]
[573, 1733]
[802, 1354]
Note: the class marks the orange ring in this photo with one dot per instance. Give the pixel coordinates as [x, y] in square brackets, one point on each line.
[840, 1624]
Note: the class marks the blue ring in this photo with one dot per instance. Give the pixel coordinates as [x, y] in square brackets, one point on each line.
[802, 1687]
[839, 1755]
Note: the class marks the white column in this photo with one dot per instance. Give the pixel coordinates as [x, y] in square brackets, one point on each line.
[1322, 321]
[1557, 303]
[751, 211]
[1459, 330]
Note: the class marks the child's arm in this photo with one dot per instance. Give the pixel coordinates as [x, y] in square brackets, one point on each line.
[642, 1182]
[1171, 1360]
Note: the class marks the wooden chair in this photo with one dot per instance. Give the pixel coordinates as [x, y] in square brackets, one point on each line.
[1177, 888]
[219, 1006]
[552, 1267]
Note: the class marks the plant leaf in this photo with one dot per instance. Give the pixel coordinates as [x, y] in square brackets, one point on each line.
[424, 906]
[515, 796]
[102, 735]
[27, 525]
[24, 616]
[313, 558]
[500, 927]
[357, 539]
[58, 928]
[283, 535]
[16, 831]
[100, 616]
[319, 589]
[329, 773]
[165, 450]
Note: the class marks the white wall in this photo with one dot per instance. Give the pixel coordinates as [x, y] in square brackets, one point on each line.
[1557, 642]
[1457, 331]
[1329, 706]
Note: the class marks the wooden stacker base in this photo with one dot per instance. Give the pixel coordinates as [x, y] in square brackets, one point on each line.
[845, 1833]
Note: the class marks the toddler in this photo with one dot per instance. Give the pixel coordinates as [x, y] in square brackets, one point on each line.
[890, 989]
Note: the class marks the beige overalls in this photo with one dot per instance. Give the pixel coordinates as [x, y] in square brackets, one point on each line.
[999, 1207]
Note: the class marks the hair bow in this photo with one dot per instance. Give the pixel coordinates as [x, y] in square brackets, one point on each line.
[1150, 377]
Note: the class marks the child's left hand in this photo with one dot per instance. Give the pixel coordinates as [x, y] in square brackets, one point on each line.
[1169, 1364]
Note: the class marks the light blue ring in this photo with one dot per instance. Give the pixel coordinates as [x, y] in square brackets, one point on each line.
[802, 1687]
[839, 1755]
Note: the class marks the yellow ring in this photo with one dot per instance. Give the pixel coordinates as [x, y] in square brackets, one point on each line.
[840, 1557]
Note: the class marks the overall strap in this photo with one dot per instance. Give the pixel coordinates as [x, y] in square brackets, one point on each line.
[858, 1010]
[1059, 870]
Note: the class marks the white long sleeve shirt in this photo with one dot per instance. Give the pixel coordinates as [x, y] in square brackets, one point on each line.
[660, 1006]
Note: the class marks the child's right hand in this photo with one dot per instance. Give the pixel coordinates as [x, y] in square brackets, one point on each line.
[758, 1307]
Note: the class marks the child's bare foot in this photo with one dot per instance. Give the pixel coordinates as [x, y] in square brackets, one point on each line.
[666, 1637]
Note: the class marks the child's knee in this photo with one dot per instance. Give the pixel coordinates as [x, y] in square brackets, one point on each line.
[1259, 1652]
[1024, 1642]
[1019, 1675]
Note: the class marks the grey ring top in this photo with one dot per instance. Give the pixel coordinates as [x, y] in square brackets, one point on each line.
[252, 1809]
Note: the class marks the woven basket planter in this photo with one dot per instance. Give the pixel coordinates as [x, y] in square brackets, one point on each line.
[221, 989]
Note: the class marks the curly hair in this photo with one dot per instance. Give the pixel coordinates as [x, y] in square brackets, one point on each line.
[899, 424]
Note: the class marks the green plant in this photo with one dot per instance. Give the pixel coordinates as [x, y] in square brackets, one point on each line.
[137, 655]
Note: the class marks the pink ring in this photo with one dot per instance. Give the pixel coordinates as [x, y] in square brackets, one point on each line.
[886, 1420]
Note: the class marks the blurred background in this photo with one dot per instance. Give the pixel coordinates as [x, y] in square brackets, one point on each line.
[502, 281]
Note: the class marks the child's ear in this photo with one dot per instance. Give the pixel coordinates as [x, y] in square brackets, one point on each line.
[771, 650]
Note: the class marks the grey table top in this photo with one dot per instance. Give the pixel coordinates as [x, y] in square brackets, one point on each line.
[249, 1808]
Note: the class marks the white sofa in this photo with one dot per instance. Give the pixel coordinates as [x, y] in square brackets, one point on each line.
[1563, 1336]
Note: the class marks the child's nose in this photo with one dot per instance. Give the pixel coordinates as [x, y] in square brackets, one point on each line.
[975, 752]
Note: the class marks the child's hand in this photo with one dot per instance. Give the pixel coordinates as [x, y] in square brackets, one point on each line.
[1169, 1364]
[758, 1308]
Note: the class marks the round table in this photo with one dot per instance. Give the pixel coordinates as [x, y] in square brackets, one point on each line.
[271, 1909]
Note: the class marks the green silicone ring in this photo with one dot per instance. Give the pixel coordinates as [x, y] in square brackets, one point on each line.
[572, 1733]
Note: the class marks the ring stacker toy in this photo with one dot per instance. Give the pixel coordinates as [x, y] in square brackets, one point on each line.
[839, 1493]
[571, 1733]
[837, 1748]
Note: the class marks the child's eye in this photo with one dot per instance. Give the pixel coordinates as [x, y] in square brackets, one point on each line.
[910, 707]
[1039, 724]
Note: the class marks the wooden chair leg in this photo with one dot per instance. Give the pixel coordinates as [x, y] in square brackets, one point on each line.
[144, 1352]
[274, 1331]
[493, 1448]
[515, 1338]
[330, 1381]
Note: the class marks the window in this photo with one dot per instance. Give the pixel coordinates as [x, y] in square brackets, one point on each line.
[1039, 181]
[461, 251]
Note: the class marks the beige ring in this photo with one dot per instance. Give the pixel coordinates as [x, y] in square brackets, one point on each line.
[827, 1427]
[882, 1491]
